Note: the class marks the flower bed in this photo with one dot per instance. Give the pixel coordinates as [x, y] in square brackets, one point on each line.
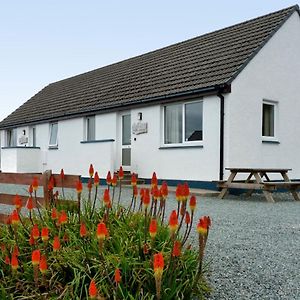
[103, 250]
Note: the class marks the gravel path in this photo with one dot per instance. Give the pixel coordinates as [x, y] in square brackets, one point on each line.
[253, 246]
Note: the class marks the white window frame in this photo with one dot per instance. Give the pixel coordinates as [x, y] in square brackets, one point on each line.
[11, 137]
[53, 145]
[275, 109]
[87, 122]
[183, 143]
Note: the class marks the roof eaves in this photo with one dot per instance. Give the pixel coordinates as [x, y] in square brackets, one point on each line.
[242, 67]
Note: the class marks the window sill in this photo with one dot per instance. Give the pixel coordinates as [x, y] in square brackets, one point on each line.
[270, 141]
[97, 141]
[52, 147]
[180, 147]
[20, 147]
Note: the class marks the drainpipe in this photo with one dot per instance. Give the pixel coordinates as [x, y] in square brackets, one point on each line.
[221, 167]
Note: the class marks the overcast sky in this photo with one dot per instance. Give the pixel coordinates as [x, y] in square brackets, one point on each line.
[45, 41]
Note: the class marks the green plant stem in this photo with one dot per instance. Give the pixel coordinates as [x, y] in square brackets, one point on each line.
[37, 206]
[96, 192]
[113, 196]
[145, 229]
[78, 204]
[62, 188]
[190, 228]
[120, 190]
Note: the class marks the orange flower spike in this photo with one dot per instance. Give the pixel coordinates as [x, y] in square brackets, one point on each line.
[79, 187]
[135, 191]
[203, 225]
[7, 260]
[185, 191]
[117, 276]
[17, 201]
[56, 243]
[35, 257]
[83, 231]
[108, 178]
[62, 174]
[178, 192]
[155, 192]
[101, 231]
[16, 251]
[176, 249]
[106, 196]
[43, 264]
[50, 185]
[173, 221]
[133, 179]
[146, 198]
[153, 179]
[54, 214]
[114, 180]
[45, 234]
[164, 190]
[142, 193]
[158, 265]
[153, 228]
[93, 292]
[35, 183]
[187, 218]
[91, 170]
[193, 203]
[31, 240]
[121, 173]
[15, 220]
[30, 189]
[35, 232]
[14, 262]
[29, 204]
[96, 179]
[63, 218]
[90, 184]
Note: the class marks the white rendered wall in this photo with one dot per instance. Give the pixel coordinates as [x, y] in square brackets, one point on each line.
[273, 74]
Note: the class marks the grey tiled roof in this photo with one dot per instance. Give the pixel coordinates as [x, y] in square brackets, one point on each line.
[212, 59]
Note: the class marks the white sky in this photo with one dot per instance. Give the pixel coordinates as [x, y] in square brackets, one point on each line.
[45, 41]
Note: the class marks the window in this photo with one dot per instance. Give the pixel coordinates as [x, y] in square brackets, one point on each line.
[183, 122]
[268, 119]
[53, 134]
[90, 128]
[33, 132]
[11, 137]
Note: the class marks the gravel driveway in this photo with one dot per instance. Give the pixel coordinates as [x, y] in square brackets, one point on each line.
[253, 246]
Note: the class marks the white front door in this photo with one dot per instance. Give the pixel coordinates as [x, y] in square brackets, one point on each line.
[126, 141]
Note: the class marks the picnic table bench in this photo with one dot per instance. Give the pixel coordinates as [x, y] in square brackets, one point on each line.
[259, 179]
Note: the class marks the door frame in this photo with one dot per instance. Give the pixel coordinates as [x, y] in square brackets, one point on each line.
[122, 114]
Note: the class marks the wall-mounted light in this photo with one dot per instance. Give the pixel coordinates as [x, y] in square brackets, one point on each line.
[24, 132]
[140, 116]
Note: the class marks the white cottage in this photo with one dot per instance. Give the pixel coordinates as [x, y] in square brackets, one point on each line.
[229, 98]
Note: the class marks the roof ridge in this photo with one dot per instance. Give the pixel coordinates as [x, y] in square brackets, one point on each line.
[295, 7]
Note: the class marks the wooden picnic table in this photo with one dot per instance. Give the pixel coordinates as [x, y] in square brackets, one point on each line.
[259, 179]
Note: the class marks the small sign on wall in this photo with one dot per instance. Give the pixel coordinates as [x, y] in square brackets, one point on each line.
[139, 128]
[23, 140]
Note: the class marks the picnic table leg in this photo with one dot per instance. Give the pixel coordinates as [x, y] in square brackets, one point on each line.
[267, 194]
[225, 189]
[249, 193]
[293, 192]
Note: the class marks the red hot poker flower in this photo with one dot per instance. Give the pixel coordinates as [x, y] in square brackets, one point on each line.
[193, 203]
[153, 228]
[164, 190]
[108, 178]
[117, 276]
[35, 183]
[173, 221]
[179, 192]
[185, 191]
[90, 184]
[187, 218]
[135, 191]
[106, 196]
[54, 214]
[96, 179]
[7, 260]
[63, 218]
[15, 220]
[29, 204]
[62, 174]
[35, 257]
[203, 225]
[91, 170]
[79, 186]
[43, 264]
[30, 189]
[133, 179]
[114, 180]
[56, 243]
[18, 201]
[101, 231]
[83, 231]
[14, 262]
[158, 265]
[121, 173]
[31, 240]
[176, 249]
[93, 292]
[153, 179]
[16, 251]
[50, 186]
[45, 234]
[146, 198]
[35, 232]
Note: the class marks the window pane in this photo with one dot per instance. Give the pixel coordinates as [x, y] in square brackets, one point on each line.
[173, 124]
[126, 157]
[268, 120]
[193, 121]
[90, 127]
[126, 130]
[33, 137]
[53, 134]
